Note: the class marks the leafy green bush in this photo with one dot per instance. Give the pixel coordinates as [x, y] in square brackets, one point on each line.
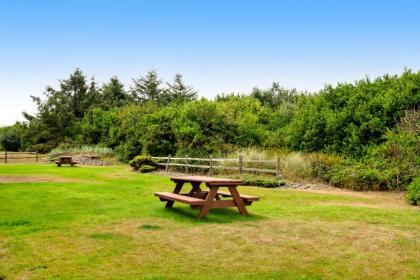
[10, 139]
[138, 161]
[358, 176]
[413, 192]
[322, 165]
[144, 168]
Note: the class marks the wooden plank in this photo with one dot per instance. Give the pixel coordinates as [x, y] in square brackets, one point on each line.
[208, 202]
[177, 190]
[238, 201]
[240, 164]
[211, 166]
[183, 165]
[260, 161]
[167, 163]
[225, 167]
[167, 196]
[225, 159]
[159, 157]
[260, 170]
[195, 188]
[223, 204]
[208, 180]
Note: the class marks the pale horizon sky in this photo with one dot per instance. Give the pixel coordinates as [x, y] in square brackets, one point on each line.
[218, 46]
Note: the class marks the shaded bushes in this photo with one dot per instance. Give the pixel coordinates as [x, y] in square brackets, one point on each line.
[144, 168]
[413, 192]
[145, 163]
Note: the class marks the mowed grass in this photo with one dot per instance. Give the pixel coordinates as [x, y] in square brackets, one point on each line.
[105, 223]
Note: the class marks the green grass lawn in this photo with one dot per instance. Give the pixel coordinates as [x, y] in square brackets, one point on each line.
[105, 223]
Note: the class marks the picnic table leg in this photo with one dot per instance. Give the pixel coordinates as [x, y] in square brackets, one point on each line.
[209, 201]
[238, 201]
[195, 188]
[177, 189]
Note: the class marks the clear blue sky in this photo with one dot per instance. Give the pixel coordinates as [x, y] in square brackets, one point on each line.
[219, 46]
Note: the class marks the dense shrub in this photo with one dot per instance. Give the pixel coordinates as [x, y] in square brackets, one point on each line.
[10, 138]
[349, 118]
[322, 165]
[413, 192]
[138, 161]
[144, 168]
[357, 176]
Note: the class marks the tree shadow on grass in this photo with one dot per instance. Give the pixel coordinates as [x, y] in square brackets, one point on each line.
[218, 216]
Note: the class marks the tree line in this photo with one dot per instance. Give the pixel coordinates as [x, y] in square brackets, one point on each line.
[356, 120]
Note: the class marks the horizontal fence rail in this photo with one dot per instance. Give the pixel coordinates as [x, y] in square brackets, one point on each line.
[232, 164]
[25, 157]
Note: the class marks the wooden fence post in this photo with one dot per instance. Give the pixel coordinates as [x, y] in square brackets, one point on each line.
[186, 163]
[211, 165]
[240, 164]
[277, 167]
[36, 156]
[5, 156]
[167, 163]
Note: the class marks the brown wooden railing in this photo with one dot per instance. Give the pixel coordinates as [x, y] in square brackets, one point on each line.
[211, 164]
[24, 157]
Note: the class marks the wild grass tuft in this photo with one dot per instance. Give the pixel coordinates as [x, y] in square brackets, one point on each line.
[84, 150]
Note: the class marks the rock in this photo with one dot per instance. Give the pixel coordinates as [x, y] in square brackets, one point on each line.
[89, 160]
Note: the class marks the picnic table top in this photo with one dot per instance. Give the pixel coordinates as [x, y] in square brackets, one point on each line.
[210, 181]
[65, 156]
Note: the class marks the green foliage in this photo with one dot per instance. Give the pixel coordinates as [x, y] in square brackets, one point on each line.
[200, 129]
[358, 176]
[144, 168]
[349, 118]
[10, 138]
[148, 89]
[113, 95]
[274, 96]
[413, 192]
[139, 161]
[323, 164]
[178, 91]
[57, 115]
[365, 123]
[98, 126]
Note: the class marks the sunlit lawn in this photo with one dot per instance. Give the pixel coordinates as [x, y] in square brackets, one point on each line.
[105, 223]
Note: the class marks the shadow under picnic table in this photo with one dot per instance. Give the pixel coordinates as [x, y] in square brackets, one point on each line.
[219, 215]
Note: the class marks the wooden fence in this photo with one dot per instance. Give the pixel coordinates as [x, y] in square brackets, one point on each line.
[24, 157]
[211, 164]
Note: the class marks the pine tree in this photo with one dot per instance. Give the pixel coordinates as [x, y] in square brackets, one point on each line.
[147, 88]
[178, 91]
[113, 94]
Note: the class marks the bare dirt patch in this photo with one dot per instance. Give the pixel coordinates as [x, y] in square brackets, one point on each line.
[33, 179]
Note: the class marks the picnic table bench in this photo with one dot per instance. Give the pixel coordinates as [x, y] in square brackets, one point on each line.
[205, 200]
[65, 160]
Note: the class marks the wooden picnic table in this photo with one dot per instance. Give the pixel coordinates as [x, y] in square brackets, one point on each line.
[205, 200]
[65, 160]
